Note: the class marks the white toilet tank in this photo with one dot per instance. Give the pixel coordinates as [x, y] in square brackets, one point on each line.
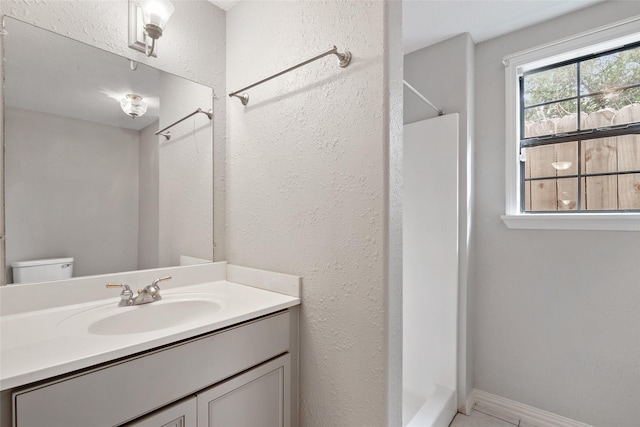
[42, 270]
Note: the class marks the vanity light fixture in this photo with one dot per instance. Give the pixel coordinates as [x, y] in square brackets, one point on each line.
[147, 20]
[133, 105]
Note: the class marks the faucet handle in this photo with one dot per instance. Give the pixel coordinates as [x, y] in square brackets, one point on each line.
[155, 282]
[153, 289]
[125, 295]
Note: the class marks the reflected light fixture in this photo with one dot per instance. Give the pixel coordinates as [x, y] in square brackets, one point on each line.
[147, 20]
[560, 166]
[565, 199]
[133, 105]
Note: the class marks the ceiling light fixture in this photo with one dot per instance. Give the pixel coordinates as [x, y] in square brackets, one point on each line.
[133, 105]
[147, 20]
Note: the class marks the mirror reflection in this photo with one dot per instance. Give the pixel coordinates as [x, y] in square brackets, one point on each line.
[85, 175]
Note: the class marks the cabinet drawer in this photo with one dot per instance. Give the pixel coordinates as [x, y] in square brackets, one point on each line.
[116, 393]
[180, 414]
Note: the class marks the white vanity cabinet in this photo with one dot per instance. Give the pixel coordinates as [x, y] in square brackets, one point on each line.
[238, 376]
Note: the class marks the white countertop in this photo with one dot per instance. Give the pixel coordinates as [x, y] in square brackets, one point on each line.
[39, 344]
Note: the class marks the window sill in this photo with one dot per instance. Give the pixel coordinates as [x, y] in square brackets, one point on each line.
[585, 221]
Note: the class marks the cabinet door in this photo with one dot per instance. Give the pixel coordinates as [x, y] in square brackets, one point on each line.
[259, 397]
[180, 414]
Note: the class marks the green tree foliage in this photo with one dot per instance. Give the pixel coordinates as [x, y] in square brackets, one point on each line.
[602, 85]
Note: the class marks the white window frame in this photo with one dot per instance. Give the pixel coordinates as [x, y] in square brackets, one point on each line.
[600, 39]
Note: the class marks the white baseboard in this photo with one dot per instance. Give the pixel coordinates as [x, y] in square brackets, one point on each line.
[471, 400]
[515, 412]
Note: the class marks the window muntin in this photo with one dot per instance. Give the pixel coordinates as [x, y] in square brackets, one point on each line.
[586, 165]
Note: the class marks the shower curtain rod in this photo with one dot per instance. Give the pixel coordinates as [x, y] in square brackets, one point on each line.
[422, 97]
[199, 110]
[343, 61]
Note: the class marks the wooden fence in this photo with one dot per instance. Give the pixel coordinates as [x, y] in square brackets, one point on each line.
[604, 155]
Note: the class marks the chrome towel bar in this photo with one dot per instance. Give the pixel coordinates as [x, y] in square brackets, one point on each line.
[343, 60]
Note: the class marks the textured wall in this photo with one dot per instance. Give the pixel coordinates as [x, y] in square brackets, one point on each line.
[450, 87]
[556, 321]
[193, 47]
[308, 188]
[72, 192]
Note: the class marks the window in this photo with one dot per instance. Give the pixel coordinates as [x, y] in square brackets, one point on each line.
[573, 132]
[580, 134]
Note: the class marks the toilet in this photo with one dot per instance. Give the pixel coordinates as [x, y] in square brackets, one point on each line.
[42, 270]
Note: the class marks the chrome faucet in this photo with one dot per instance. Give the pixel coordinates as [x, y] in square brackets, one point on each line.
[150, 293]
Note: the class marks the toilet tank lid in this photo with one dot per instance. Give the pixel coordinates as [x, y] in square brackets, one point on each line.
[48, 261]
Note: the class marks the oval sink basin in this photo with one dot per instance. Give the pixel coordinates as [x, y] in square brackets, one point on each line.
[151, 317]
[171, 311]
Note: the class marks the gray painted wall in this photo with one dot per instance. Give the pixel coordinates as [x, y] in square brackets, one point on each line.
[309, 179]
[555, 315]
[443, 73]
[71, 192]
[148, 213]
[186, 172]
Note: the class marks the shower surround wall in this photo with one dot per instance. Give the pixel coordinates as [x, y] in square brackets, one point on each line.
[312, 164]
[451, 88]
[193, 47]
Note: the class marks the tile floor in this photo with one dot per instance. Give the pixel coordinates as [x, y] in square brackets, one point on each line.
[478, 419]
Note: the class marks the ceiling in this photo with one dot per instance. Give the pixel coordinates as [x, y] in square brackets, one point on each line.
[425, 22]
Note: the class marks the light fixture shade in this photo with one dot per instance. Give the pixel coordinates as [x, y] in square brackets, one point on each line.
[133, 105]
[156, 12]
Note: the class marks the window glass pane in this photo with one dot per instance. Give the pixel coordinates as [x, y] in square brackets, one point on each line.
[527, 196]
[568, 194]
[550, 119]
[552, 160]
[600, 155]
[628, 153]
[544, 195]
[629, 190]
[610, 71]
[550, 85]
[601, 193]
[547, 195]
[622, 106]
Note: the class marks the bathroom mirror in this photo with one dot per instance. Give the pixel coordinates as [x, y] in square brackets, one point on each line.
[84, 179]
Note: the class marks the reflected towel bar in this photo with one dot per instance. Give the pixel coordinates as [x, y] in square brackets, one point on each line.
[343, 60]
[199, 110]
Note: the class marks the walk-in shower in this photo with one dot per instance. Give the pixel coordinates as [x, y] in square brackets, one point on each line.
[430, 270]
